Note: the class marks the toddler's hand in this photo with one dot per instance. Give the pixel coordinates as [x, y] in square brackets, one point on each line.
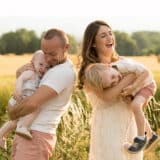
[127, 99]
[127, 91]
[17, 96]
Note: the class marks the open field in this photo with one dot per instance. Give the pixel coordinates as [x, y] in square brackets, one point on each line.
[9, 63]
[68, 134]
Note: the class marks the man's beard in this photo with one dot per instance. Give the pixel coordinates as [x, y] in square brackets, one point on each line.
[59, 61]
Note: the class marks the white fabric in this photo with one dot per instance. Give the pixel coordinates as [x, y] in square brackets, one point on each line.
[61, 79]
[28, 88]
[126, 66]
[112, 124]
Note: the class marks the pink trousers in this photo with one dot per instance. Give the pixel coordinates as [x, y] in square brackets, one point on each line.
[39, 148]
[147, 92]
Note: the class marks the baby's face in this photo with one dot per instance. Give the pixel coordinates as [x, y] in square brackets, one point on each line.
[110, 77]
[40, 64]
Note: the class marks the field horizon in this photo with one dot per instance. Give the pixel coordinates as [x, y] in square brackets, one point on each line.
[10, 62]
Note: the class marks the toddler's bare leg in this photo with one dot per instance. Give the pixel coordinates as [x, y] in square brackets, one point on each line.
[148, 129]
[137, 108]
[27, 120]
[7, 127]
[24, 123]
[139, 142]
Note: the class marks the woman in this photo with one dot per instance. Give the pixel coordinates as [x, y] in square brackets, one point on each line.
[112, 120]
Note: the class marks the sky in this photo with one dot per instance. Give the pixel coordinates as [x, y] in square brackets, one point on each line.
[73, 16]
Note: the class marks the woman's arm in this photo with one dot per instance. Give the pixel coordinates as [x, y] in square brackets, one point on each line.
[113, 93]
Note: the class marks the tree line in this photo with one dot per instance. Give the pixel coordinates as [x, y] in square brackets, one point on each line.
[135, 44]
[26, 41]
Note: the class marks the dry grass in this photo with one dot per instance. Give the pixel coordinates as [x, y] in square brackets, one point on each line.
[9, 63]
[80, 135]
[151, 62]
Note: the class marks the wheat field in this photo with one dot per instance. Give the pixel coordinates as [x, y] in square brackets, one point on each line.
[9, 63]
[68, 135]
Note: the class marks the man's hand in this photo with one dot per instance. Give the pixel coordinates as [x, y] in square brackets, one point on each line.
[15, 111]
[30, 104]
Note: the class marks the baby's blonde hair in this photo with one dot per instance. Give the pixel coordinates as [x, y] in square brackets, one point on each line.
[36, 54]
[93, 75]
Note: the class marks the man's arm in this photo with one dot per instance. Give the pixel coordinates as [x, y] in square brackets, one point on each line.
[30, 104]
[111, 94]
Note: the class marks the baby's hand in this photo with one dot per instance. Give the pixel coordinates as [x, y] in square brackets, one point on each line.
[127, 91]
[28, 66]
[17, 96]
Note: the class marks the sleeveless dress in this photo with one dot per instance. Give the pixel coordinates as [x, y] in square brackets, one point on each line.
[112, 124]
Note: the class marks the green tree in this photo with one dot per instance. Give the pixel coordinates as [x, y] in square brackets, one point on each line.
[147, 41]
[34, 42]
[19, 42]
[125, 45]
[73, 44]
[8, 43]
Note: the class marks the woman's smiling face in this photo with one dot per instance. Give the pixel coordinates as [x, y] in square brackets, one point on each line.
[104, 41]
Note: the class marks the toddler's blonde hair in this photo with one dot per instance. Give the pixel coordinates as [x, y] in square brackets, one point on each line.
[93, 75]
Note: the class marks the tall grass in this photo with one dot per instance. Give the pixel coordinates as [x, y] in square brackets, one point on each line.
[157, 78]
[6, 89]
[73, 131]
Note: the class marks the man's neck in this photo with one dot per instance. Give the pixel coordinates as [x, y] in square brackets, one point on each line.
[63, 60]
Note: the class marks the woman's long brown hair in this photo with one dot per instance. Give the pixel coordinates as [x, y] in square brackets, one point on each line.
[89, 54]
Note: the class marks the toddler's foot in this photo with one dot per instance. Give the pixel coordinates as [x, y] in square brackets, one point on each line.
[23, 131]
[136, 146]
[152, 142]
[3, 143]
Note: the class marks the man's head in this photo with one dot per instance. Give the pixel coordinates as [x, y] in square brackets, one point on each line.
[54, 45]
[102, 76]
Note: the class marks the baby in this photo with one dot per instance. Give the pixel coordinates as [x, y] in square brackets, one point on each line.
[104, 76]
[26, 84]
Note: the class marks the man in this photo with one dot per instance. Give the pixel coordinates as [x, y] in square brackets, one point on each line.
[52, 97]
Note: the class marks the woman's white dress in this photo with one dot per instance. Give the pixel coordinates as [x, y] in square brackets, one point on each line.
[112, 124]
